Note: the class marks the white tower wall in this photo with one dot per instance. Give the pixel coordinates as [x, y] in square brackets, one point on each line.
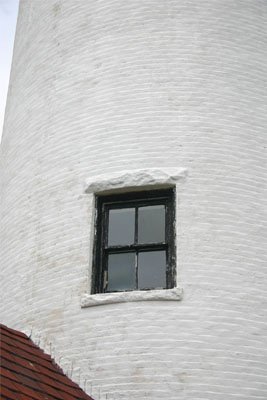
[101, 87]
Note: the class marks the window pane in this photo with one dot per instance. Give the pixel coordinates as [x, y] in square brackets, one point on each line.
[121, 226]
[151, 224]
[121, 272]
[152, 270]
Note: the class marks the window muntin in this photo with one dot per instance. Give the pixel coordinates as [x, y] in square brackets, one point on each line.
[134, 248]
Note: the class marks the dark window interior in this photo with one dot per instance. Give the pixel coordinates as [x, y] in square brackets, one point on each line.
[134, 244]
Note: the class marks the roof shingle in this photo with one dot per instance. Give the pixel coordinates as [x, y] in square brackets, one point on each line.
[28, 373]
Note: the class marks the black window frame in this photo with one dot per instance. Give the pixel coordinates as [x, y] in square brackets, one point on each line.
[103, 203]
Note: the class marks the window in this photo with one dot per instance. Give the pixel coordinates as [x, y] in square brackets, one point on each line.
[134, 244]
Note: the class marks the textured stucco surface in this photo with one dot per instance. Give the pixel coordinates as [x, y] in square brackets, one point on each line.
[110, 86]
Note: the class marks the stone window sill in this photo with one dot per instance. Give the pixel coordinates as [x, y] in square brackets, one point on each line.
[143, 179]
[91, 300]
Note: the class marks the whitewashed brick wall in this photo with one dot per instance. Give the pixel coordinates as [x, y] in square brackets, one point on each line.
[105, 86]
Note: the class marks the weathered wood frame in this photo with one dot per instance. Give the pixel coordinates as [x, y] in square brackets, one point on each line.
[134, 200]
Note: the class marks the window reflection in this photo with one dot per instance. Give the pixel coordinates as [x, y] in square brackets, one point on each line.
[151, 224]
[152, 270]
[121, 226]
[121, 272]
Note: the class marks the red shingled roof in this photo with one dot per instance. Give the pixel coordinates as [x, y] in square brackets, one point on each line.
[28, 373]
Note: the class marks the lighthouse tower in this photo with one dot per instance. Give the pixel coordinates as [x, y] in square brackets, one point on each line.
[133, 209]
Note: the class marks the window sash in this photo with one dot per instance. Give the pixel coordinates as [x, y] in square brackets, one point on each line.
[133, 200]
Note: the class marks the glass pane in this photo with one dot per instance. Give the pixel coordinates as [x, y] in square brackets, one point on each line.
[151, 224]
[152, 270]
[121, 272]
[121, 226]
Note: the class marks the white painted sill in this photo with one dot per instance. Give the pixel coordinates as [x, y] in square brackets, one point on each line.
[91, 300]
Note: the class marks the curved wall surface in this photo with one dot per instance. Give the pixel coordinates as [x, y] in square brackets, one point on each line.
[103, 87]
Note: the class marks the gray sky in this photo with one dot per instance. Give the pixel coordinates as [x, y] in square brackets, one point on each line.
[8, 18]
